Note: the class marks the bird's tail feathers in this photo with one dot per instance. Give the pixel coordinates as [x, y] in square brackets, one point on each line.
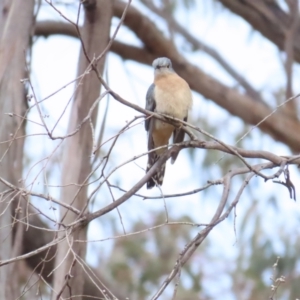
[158, 177]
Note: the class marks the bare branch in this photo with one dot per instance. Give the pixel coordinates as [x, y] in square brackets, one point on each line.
[200, 45]
[234, 102]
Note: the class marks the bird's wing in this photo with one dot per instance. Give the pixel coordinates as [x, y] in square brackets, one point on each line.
[149, 123]
[150, 104]
[178, 137]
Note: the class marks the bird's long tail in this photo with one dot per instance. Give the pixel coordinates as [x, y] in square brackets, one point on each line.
[158, 177]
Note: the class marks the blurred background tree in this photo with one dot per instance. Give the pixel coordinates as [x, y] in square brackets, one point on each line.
[240, 58]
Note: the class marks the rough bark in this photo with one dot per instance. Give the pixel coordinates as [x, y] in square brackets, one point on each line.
[76, 164]
[15, 31]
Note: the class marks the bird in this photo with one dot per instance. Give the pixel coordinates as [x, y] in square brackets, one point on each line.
[169, 94]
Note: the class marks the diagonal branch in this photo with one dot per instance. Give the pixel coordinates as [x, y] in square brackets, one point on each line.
[267, 17]
[218, 217]
[200, 45]
[234, 102]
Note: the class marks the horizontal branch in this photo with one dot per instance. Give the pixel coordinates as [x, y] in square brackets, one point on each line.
[48, 28]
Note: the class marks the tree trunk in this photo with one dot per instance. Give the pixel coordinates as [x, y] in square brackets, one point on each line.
[76, 165]
[15, 30]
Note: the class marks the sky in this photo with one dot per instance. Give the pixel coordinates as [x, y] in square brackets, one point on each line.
[54, 64]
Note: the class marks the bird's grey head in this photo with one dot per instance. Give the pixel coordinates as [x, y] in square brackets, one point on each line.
[162, 65]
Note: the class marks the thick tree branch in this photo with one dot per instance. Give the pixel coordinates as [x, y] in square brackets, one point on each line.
[267, 17]
[197, 44]
[291, 107]
[48, 28]
[234, 102]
